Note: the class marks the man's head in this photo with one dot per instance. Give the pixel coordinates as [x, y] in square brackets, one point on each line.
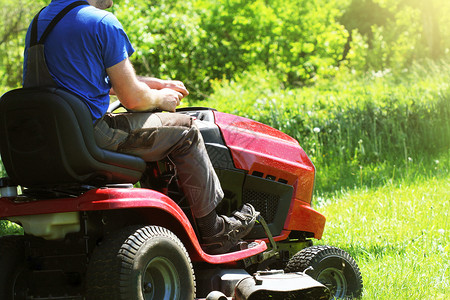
[101, 4]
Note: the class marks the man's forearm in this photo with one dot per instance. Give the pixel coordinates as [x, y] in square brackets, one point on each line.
[151, 82]
[159, 84]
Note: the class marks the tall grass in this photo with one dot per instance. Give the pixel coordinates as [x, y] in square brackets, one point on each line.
[399, 234]
[354, 128]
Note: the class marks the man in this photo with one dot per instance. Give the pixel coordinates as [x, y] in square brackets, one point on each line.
[87, 52]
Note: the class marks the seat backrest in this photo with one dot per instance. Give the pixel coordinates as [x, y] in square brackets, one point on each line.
[47, 139]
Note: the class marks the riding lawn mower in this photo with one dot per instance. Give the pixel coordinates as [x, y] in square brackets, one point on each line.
[104, 225]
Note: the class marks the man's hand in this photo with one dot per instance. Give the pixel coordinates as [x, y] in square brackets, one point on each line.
[169, 99]
[176, 86]
[159, 84]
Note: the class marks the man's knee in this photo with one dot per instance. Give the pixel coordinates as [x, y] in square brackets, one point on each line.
[178, 120]
[192, 135]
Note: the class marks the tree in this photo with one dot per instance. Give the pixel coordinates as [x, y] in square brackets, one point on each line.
[430, 25]
[15, 16]
[394, 33]
[361, 16]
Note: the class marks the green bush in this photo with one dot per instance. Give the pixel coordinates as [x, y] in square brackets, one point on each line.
[9, 228]
[199, 41]
[166, 37]
[299, 38]
[301, 41]
[15, 16]
[2, 170]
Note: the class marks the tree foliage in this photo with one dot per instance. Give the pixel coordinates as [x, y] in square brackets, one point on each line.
[301, 41]
[396, 33]
[15, 16]
[203, 40]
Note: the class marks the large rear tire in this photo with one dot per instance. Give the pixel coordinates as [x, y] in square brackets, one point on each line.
[331, 266]
[12, 265]
[140, 264]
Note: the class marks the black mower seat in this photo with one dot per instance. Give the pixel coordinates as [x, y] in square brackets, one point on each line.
[47, 138]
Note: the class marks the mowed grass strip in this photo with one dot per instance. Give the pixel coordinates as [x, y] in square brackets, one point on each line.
[399, 234]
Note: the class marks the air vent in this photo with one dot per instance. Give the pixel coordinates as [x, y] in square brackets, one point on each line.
[257, 174]
[271, 177]
[266, 204]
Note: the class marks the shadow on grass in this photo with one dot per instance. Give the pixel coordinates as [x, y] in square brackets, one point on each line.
[375, 251]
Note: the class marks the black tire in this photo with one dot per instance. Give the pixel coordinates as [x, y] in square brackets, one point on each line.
[331, 266]
[13, 267]
[140, 264]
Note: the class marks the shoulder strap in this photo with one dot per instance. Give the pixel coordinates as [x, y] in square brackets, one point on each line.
[33, 37]
[59, 16]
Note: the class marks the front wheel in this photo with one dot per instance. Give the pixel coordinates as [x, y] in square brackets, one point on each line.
[140, 264]
[331, 266]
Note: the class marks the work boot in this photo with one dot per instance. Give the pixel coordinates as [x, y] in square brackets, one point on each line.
[234, 229]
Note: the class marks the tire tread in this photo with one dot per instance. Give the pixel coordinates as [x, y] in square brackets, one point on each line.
[312, 256]
[113, 261]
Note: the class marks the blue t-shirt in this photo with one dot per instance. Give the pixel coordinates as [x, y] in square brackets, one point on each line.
[80, 48]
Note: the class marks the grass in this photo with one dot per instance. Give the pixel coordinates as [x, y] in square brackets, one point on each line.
[399, 234]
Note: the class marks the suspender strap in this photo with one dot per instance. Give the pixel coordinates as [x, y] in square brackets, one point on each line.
[37, 73]
[59, 16]
[33, 37]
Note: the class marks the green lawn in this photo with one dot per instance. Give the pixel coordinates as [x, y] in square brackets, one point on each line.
[399, 234]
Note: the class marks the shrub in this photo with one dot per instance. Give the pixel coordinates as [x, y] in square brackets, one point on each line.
[198, 41]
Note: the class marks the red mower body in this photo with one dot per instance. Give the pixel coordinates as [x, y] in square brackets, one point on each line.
[153, 208]
[78, 201]
[269, 153]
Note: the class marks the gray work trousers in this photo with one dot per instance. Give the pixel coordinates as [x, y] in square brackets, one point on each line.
[154, 136]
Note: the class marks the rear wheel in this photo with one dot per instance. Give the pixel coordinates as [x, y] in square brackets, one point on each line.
[143, 264]
[331, 266]
[13, 268]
